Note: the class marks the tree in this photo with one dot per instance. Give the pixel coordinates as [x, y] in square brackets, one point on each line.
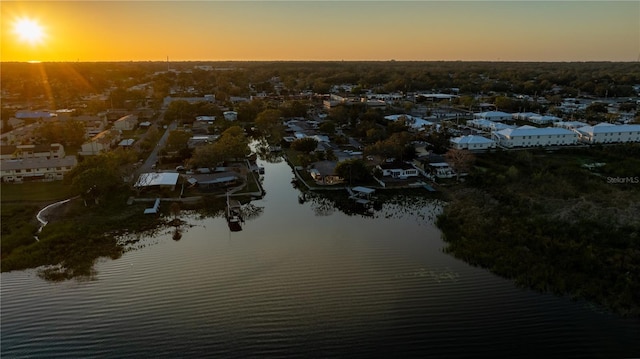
[460, 160]
[269, 122]
[232, 144]
[328, 127]
[353, 171]
[177, 140]
[304, 145]
[96, 183]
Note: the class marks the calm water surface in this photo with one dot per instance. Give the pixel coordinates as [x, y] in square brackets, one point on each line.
[301, 279]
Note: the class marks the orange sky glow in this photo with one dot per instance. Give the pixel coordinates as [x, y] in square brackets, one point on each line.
[324, 30]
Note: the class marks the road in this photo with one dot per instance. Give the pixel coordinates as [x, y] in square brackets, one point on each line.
[153, 157]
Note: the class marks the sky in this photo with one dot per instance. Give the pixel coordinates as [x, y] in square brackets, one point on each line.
[323, 30]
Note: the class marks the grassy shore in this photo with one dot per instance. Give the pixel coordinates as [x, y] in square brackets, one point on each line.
[550, 224]
[77, 234]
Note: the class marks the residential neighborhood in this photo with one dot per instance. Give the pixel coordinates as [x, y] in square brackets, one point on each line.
[373, 135]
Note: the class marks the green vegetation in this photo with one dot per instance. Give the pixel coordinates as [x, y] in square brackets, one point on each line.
[552, 225]
[73, 241]
[36, 191]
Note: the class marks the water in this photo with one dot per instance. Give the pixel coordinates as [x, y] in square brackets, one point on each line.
[300, 280]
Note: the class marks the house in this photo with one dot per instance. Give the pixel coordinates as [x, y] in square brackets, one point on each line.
[472, 142]
[400, 170]
[54, 150]
[214, 180]
[93, 125]
[523, 116]
[609, 133]
[126, 143]
[230, 115]
[157, 180]
[323, 172]
[569, 125]
[33, 115]
[544, 120]
[36, 169]
[196, 141]
[100, 143]
[126, 123]
[487, 125]
[441, 170]
[529, 136]
[493, 116]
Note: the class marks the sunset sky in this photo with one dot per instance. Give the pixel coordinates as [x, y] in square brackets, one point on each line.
[322, 30]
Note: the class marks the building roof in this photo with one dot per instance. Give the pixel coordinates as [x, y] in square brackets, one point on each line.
[126, 142]
[325, 168]
[545, 118]
[157, 179]
[127, 118]
[396, 166]
[608, 128]
[534, 131]
[570, 124]
[524, 115]
[490, 114]
[38, 162]
[206, 118]
[472, 139]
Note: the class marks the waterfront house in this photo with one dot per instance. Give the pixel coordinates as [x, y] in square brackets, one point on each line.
[400, 170]
[323, 173]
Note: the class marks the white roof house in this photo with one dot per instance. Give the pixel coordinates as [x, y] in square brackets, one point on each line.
[609, 133]
[529, 136]
[570, 125]
[160, 179]
[523, 115]
[493, 116]
[472, 142]
[544, 120]
[230, 115]
[488, 125]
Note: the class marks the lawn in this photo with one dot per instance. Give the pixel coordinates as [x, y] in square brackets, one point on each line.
[35, 192]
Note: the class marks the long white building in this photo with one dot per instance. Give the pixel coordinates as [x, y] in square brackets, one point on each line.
[609, 133]
[529, 136]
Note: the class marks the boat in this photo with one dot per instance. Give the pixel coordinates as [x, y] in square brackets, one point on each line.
[234, 215]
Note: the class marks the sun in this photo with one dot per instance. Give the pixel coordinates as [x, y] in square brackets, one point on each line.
[29, 30]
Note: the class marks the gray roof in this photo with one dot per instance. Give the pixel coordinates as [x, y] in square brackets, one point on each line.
[39, 162]
[157, 179]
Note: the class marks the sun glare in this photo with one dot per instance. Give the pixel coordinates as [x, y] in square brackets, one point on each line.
[29, 30]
